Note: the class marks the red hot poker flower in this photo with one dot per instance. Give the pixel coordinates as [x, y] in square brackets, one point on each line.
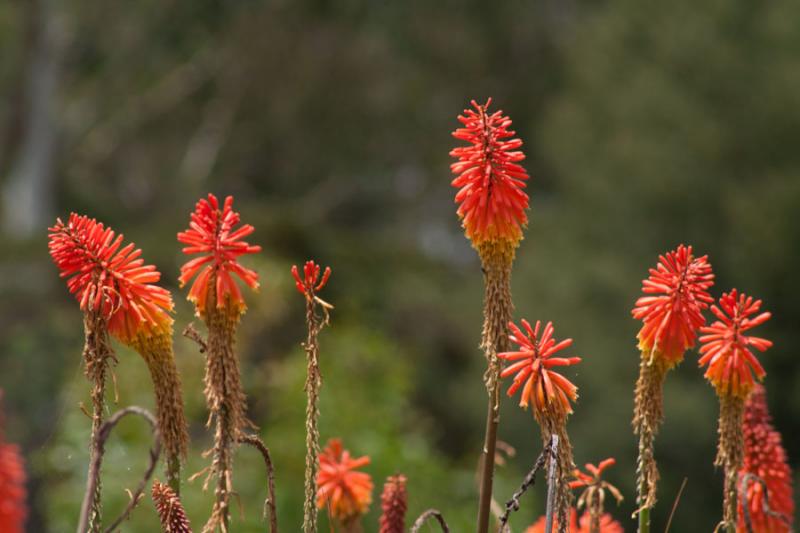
[108, 278]
[607, 524]
[394, 504]
[211, 233]
[677, 293]
[489, 179]
[308, 285]
[549, 391]
[593, 477]
[731, 364]
[765, 458]
[170, 510]
[346, 492]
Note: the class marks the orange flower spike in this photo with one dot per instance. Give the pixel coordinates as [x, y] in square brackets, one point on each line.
[112, 281]
[549, 391]
[731, 364]
[676, 294]
[211, 233]
[307, 285]
[346, 492]
[489, 179]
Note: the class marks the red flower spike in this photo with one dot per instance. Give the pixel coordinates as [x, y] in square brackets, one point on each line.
[489, 179]
[13, 509]
[170, 510]
[394, 504]
[677, 293]
[211, 233]
[607, 524]
[346, 492]
[307, 285]
[110, 279]
[765, 458]
[549, 391]
[731, 364]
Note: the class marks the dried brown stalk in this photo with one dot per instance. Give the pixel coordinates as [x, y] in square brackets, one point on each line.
[513, 504]
[269, 503]
[427, 515]
[496, 260]
[93, 480]
[730, 454]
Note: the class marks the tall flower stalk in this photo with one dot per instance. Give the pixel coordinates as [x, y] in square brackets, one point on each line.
[118, 296]
[765, 480]
[732, 370]
[676, 292]
[492, 209]
[594, 487]
[548, 393]
[308, 285]
[219, 303]
[341, 489]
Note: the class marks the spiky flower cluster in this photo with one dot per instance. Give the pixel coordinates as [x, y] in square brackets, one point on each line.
[676, 292]
[109, 279]
[765, 460]
[211, 233]
[170, 510]
[731, 364]
[607, 524]
[489, 179]
[548, 391]
[310, 283]
[394, 504]
[345, 491]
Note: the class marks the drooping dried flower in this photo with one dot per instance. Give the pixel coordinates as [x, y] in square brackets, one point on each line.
[13, 506]
[489, 178]
[731, 364]
[766, 461]
[170, 510]
[394, 504]
[211, 233]
[345, 491]
[676, 294]
[607, 524]
[108, 278]
[548, 391]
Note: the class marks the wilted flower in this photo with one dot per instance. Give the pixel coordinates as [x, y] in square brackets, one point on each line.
[677, 293]
[346, 492]
[607, 524]
[731, 364]
[394, 504]
[109, 279]
[549, 392]
[489, 179]
[765, 459]
[170, 510]
[211, 233]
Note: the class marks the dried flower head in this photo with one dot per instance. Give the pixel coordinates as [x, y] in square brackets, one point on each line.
[394, 504]
[13, 507]
[489, 179]
[731, 364]
[211, 233]
[308, 285]
[109, 279]
[771, 511]
[549, 392]
[170, 510]
[676, 294]
[607, 524]
[346, 492]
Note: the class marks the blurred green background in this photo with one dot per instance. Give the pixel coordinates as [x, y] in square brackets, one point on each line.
[645, 124]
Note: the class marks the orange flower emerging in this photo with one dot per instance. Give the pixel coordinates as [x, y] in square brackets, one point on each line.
[13, 509]
[549, 391]
[491, 201]
[607, 524]
[677, 292]
[765, 458]
[346, 492]
[307, 285]
[583, 479]
[731, 364]
[108, 279]
[211, 233]
[170, 510]
[394, 503]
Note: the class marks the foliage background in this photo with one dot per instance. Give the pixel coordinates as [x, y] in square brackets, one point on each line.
[646, 125]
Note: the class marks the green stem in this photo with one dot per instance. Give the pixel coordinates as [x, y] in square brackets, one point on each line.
[174, 473]
[644, 520]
